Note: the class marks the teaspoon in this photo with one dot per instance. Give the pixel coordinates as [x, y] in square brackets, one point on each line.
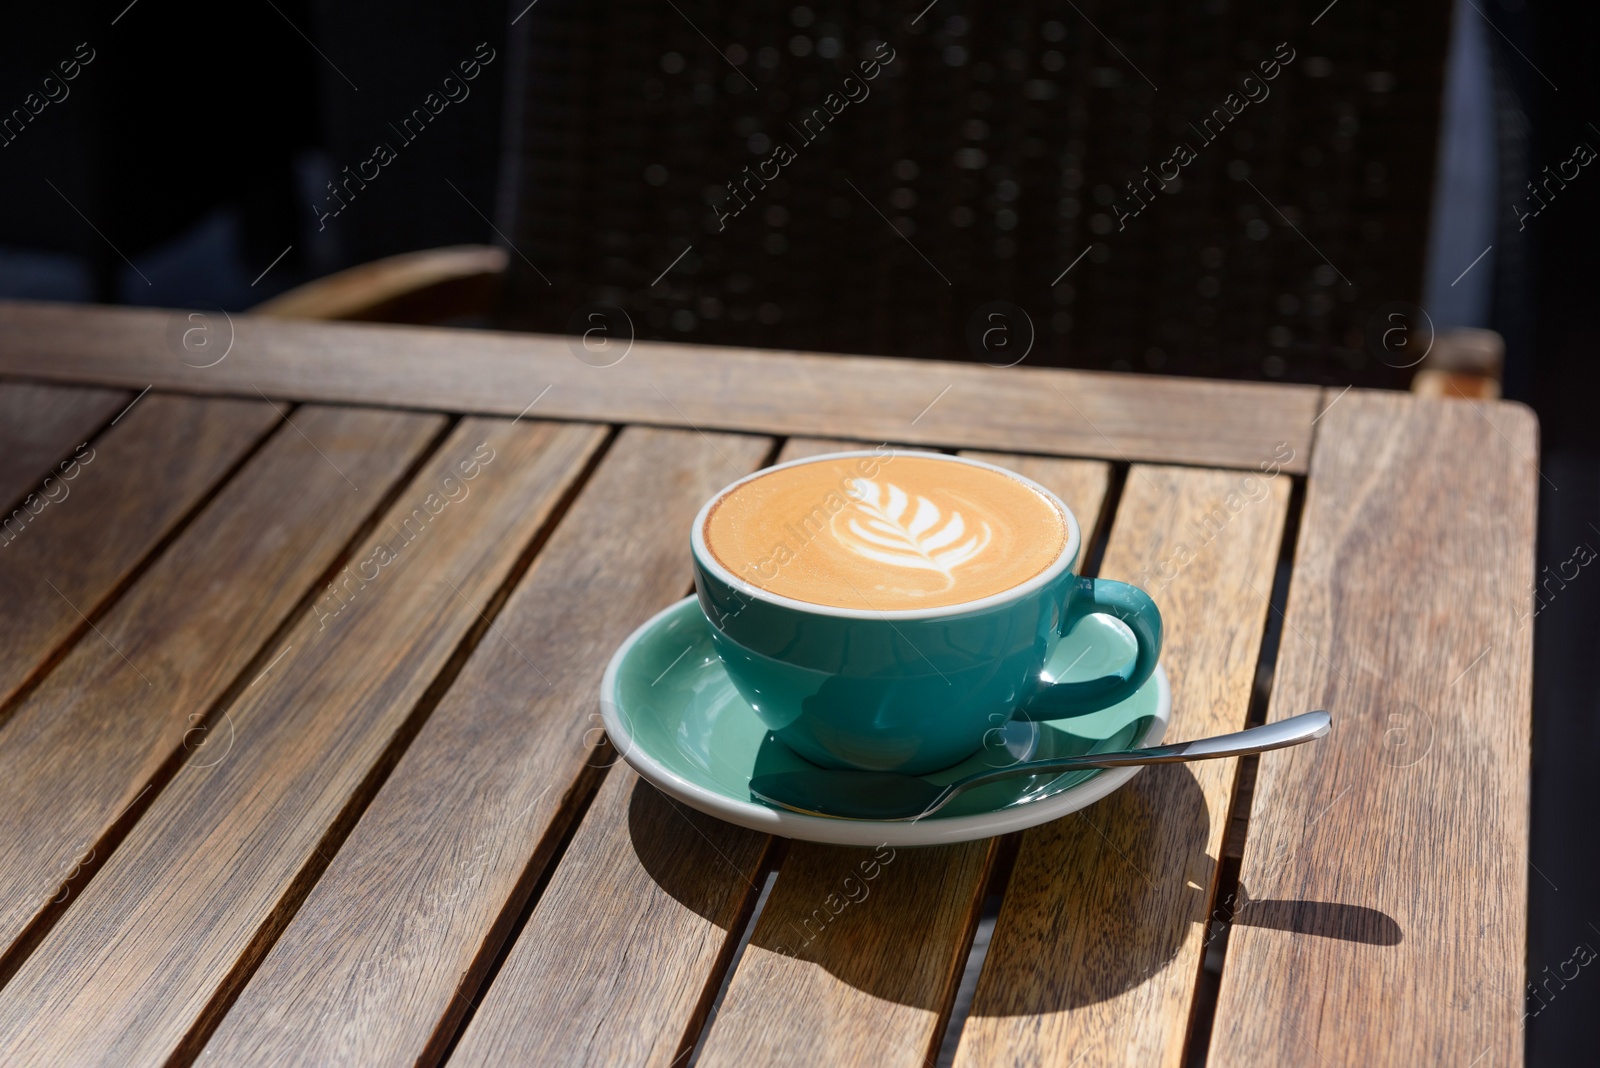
[888, 795]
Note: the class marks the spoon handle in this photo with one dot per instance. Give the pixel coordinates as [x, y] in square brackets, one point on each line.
[1279, 735]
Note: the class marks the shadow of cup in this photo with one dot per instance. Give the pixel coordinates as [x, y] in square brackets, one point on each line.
[704, 864]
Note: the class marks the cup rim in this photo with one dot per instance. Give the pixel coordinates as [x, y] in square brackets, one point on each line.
[707, 560]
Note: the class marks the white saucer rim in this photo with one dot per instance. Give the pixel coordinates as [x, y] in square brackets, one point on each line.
[759, 817]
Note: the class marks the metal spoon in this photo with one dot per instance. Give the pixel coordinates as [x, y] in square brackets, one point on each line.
[888, 795]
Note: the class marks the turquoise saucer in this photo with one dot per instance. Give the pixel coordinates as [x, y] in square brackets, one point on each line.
[674, 715]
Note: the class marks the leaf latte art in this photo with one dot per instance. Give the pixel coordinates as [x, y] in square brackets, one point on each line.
[886, 531]
[879, 528]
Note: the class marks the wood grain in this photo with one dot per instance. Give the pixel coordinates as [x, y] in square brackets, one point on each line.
[40, 425]
[615, 960]
[109, 723]
[855, 959]
[1385, 870]
[864, 971]
[1096, 952]
[618, 962]
[140, 968]
[389, 949]
[1118, 417]
[134, 485]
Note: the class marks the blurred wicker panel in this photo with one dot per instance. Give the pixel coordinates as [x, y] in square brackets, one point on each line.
[999, 144]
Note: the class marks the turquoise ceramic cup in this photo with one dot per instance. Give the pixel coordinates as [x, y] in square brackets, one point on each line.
[914, 690]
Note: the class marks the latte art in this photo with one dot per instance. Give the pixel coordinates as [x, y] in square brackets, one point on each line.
[882, 527]
[886, 532]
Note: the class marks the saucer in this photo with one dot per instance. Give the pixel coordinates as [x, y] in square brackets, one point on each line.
[674, 715]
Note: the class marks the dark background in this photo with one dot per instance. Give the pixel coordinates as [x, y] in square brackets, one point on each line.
[200, 136]
[191, 151]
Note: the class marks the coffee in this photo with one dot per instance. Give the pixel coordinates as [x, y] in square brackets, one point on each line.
[885, 533]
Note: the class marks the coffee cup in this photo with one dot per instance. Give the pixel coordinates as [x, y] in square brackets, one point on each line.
[886, 609]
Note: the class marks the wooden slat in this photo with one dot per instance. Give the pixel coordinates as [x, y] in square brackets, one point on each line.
[864, 972]
[389, 949]
[40, 426]
[141, 967]
[1096, 951]
[1384, 879]
[613, 961]
[1081, 484]
[613, 966]
[855, 959]
[1021, 409]
[145, 474]
[110, 721]
[798, 448]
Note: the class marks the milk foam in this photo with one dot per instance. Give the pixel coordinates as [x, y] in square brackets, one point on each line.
[886, 532]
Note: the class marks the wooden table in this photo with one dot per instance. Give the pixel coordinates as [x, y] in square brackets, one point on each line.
[300, 759]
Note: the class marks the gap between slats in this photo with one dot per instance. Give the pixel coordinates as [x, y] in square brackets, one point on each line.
[94, 435]
[541, 867]
[694, 1038]
[228, 990]
[1225, 884]
[582, 790]
[716, 988]
[578, 797]
[1010, 845]
[98, 610]
[948, 1030]
[102, 849]
[518, 907]
[541, 870]
[739, 935]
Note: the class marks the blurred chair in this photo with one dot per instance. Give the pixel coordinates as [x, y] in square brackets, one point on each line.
[732, 176]
[432, 286]
[112, 151]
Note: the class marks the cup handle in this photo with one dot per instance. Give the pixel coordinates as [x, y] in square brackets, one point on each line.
[1056, 700]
